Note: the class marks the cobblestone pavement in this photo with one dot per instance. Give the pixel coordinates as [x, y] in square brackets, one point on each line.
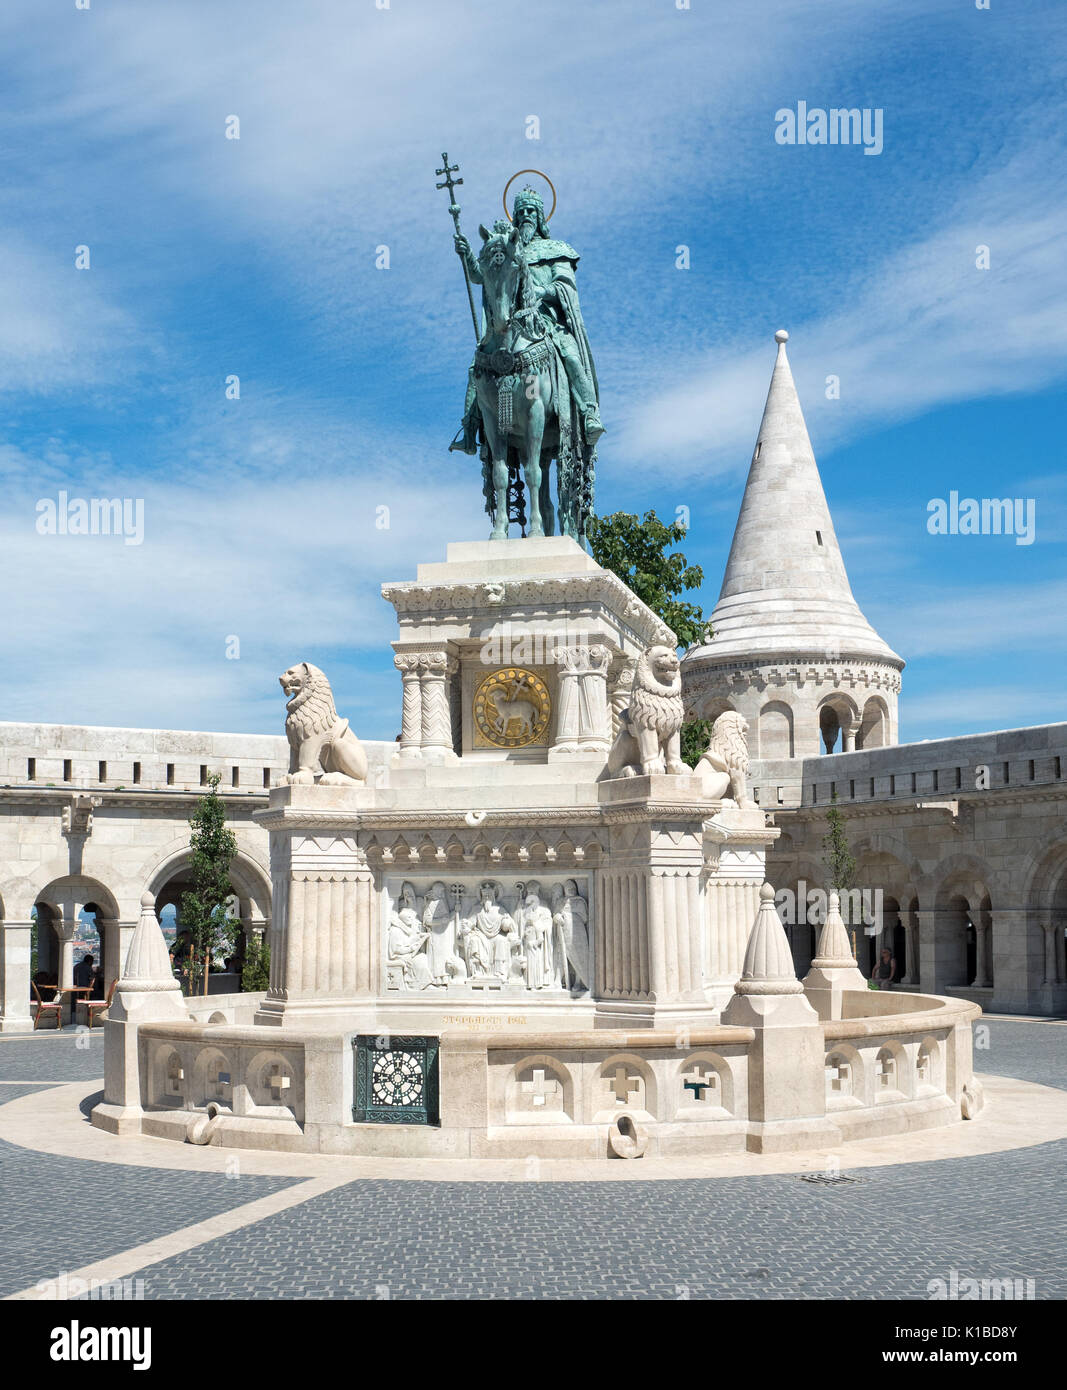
[58, 1214]
[51, 1056]
[885, 1235]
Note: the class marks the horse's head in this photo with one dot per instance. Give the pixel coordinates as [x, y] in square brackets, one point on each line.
[504, 270]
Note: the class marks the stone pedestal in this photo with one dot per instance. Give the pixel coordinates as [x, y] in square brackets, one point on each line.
[325, 944]
[659, 925]
[538, 610]
[786, 1087]
[146, 993]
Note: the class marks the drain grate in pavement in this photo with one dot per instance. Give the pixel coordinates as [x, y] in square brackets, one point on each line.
[828, 1179]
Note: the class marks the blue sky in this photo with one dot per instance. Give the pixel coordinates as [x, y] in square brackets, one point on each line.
[257, 257]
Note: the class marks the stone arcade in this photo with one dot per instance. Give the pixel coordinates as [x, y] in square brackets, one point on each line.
[539, 937]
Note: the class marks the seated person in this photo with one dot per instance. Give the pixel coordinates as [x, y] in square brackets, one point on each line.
[883, 973]
[83, 971]
[97, 983]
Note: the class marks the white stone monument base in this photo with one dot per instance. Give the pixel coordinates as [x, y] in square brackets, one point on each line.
[560, 1093]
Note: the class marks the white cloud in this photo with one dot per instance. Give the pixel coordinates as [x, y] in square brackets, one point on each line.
[922, 328]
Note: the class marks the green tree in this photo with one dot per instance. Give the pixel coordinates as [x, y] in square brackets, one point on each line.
[635, 548]
[839, 858]
[203, 908]
[255, 973]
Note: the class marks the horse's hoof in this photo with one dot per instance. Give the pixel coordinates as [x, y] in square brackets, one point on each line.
[498, 535]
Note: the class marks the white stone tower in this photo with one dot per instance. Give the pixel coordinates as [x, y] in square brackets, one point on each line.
[791, 650]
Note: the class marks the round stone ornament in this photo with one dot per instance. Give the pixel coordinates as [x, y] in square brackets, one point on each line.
[512, 708]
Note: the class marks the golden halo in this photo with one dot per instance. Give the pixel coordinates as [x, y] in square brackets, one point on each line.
[539, 175]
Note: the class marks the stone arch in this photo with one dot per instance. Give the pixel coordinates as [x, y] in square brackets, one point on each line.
[210, 1067]
[892, 1073]
[775, 731]
[250, 878]
[874, 724]
[63, 899]
[613, 1091]
[880, 879]
[540, 1090]
[929, 1067]
[251, 881]
[1045, 896]
[838, 719]
[713, 706]
[962, 943]
[274, 1084]
[168, 1079]
[714, 1100]
[846, 1081]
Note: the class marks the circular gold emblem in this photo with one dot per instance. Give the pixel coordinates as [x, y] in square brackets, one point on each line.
[512, 708]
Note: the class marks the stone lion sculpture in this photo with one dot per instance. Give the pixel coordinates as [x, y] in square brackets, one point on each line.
[724, 765]
[650, 728]
[320, 743]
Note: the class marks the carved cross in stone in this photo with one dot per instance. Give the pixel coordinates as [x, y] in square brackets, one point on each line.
[279, 1083]
[923, 1068]
[703, 1078]
[539, 1089]
[886, 1072]
[219, 1082]
[175, 1076]
[837, 1077]
[622, 1083]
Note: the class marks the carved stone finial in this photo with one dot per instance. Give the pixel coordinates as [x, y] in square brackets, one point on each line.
[768, 967]
[321, 745]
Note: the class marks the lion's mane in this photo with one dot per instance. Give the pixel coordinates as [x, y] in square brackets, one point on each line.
[728, 741]
[653, 703]
[311, 710]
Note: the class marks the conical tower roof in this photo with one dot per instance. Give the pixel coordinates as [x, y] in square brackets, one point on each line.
[786, 592]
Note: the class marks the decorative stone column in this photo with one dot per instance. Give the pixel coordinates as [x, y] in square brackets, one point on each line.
[621, 683]
[1051, 975]
[927, 957]
[64, 928]
[594, 728]
[833, 971]
[983, 934]
[786, 1087]
[435, 670]
[582, 702]
[324, 949]
[407, 664]
[735, 845]
[570, 663]
[115, 937]
[15, 951]
[146, 993]
[911, 949]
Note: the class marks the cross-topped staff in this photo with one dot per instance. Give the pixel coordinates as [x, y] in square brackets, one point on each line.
[454, 208]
